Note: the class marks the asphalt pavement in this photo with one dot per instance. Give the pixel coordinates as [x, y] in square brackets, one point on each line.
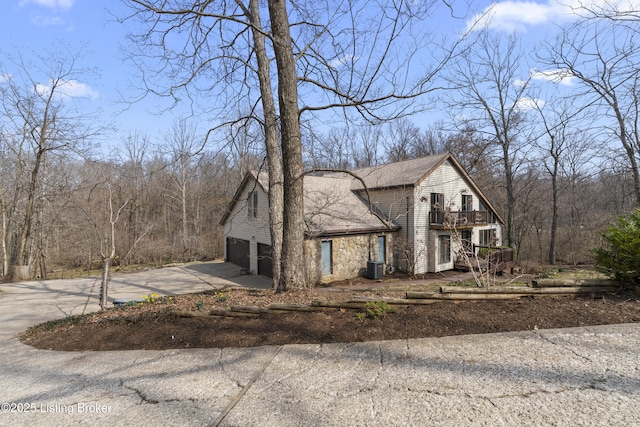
[563, 377]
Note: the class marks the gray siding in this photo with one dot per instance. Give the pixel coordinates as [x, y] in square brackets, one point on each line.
[255, 230]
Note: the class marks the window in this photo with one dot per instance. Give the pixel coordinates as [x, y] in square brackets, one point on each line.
[382, 245]
[252, 205]
[467, 202]
[445, 249]
[327, 257]
[437, 201]
[487, 237]
[491, 218]
[467, 242]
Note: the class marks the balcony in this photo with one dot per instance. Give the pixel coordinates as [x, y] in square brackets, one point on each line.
[458, 219]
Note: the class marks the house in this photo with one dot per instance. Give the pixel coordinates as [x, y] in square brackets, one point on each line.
[342, 232]
[437, 206]
[414, 215]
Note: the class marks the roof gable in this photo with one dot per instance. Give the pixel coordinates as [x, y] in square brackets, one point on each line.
[409, 173]
[398, 174]
[255, 178]
[330, 206]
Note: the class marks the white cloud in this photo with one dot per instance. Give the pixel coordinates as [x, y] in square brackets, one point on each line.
[520, 83]
[69, 89]
[43, 20]
[519, 15]
[513, 15]
[562, 76]
[52, 4]
[5, 78]
[526, 104]
[338, 62]
[47, 21]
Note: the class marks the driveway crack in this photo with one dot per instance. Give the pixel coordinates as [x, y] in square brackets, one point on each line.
[246, 388]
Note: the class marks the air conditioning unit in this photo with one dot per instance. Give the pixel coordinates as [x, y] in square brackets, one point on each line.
[375, 270]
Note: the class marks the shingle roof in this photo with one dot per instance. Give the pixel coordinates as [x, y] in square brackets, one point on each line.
[408, 172]
[332, 208]
[329, 204]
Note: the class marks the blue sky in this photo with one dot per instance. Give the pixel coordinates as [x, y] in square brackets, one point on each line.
[27, 25]
[34, 25]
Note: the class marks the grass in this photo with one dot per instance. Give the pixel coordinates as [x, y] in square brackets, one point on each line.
[375, 310]
[572, 273]
[53, 324]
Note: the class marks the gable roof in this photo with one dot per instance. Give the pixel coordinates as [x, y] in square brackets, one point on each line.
[397, 174]
[409, 173]
[260, 179]
[330, 206]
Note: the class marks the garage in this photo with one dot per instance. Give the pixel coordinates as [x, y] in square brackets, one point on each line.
[238, 252]
[265, 263]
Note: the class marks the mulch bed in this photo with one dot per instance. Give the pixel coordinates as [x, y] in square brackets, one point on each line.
[157, 325]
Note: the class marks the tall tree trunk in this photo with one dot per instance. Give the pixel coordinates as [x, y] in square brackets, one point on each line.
[511, 200]
[272, 144]
[3, 241]
[554, 212]
[631, 155]
[186, 253]
[106, 263]
[293, 266]
[626, 144]
[21, 270]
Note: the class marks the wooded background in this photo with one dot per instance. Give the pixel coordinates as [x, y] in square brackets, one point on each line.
[559, 170]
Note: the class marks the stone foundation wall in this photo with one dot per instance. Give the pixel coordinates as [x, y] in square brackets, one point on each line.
[350, 255]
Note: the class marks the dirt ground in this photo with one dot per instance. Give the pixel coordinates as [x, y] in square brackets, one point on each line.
[184, 321]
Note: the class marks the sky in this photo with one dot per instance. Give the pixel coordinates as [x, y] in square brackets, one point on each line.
[29, 26]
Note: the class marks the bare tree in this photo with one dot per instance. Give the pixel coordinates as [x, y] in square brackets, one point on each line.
[488, 77]
[182, 144]
[345, 52]
[563, 138]
[603, 58]
[402, 136]
[370, 139]
[40, 113]
[624, 13]
[106, 235]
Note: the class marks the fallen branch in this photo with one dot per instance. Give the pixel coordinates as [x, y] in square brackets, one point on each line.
[229, 313]
[540, 283]
[248, 309]
[461, 296]
[566, 290]
[281, 306]
[187, 314]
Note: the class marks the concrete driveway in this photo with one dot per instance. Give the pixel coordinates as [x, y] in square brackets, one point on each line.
[568, 377]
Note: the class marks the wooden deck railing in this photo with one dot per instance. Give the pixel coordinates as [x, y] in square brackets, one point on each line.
[458, 217]
[501, 259]
[492, 259]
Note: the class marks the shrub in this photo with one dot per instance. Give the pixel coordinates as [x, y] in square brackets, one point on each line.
[619, 257]
[375, 310]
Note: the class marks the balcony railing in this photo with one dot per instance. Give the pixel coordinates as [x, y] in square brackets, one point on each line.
[458, 218]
